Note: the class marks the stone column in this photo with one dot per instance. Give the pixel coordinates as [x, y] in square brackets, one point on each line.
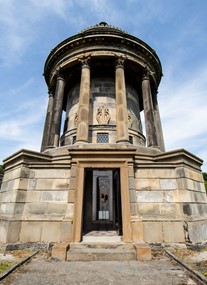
[84, 103]
[46, 132]
[151, 134]
[57, 112]
[158, 124]
[122, 132]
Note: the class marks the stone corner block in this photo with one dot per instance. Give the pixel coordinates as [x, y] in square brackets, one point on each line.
[59, 250]
[143, 251]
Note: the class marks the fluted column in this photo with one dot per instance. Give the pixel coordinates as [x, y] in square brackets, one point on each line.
[46, 132]
[57, 112]
[151, 134]
[158, 124]
[121, 104]
[84, 103]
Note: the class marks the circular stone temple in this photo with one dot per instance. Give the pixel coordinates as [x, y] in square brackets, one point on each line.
[97, 171]
[102, 78]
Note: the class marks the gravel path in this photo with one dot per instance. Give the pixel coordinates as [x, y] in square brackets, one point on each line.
[41, 271]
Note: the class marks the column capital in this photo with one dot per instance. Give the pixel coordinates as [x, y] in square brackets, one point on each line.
[85, 61]
[59, 74]
[50, 92]
[146, 73]
[120, 62]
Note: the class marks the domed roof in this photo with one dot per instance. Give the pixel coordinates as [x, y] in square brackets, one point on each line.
[102, 26]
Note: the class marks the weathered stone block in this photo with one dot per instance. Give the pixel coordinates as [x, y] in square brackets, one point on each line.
[32, 183]
[137, 231]
[52, 184]
[3, 230]
[51, 232]
[154, 173]
[35, 209]
[153, 232]
[133, 209]
[50, 196]
[168, 184]
[197, 231]
[190, 184]
[148, 209]
[51, 173]
[21, 196]
[33, 196]
[71, 196]
[70, 211]
[147, 184]
[59, 250]
[168, 210]
[133, 197]
[143, 251]
[149, 196]
[194, 175]
[13, 232]
[72, 183]
[167, 196]
[181, 183]
[56, 209]
[66, 231]
[31, 232]
[131, 183]
[173, 232]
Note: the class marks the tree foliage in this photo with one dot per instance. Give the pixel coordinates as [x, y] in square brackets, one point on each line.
[1, 169]
[205, 179]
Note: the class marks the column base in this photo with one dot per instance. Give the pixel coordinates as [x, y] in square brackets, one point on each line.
[123, 142]
[81, 142]
[49, 147]
[155, 146]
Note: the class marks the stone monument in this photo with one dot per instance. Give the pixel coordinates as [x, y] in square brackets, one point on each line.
[102, 173]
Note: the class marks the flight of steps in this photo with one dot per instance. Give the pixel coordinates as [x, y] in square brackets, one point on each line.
[101, 251]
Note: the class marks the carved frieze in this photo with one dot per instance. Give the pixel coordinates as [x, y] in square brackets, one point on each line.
[103, 117]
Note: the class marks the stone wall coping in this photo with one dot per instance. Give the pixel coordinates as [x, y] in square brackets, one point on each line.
[25, 156]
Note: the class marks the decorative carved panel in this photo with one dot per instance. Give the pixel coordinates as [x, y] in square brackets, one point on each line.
[103, 117]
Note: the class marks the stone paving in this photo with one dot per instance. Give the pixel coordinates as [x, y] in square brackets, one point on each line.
[41, 270]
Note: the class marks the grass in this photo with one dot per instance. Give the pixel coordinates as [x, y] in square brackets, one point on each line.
[5, 265]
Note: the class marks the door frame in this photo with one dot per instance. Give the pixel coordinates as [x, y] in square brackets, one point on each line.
[124, 189]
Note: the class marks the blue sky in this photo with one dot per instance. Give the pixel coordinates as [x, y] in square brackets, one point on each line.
[176, 29]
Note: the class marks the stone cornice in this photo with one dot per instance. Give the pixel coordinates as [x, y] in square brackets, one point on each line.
[102, 39]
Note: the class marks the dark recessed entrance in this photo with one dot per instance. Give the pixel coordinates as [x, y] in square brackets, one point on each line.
[102, 201]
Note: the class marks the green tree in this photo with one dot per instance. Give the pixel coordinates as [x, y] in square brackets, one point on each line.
[1, 169]
[205, 179]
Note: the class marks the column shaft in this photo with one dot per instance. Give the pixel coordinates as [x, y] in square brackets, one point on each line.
[46, 132]
[122, 132]
[84, 104]
[158, 124]
[57, 112]
[151, 135]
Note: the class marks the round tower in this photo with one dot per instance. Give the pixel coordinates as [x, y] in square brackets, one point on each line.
[102, 78]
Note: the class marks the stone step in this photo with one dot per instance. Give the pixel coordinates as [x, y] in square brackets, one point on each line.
[103, 245]
[102, 238]
[101, 254]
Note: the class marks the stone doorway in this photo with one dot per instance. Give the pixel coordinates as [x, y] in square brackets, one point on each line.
[102, 201]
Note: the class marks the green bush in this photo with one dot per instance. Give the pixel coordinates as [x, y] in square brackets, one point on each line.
[205, 179]
[1, 169]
